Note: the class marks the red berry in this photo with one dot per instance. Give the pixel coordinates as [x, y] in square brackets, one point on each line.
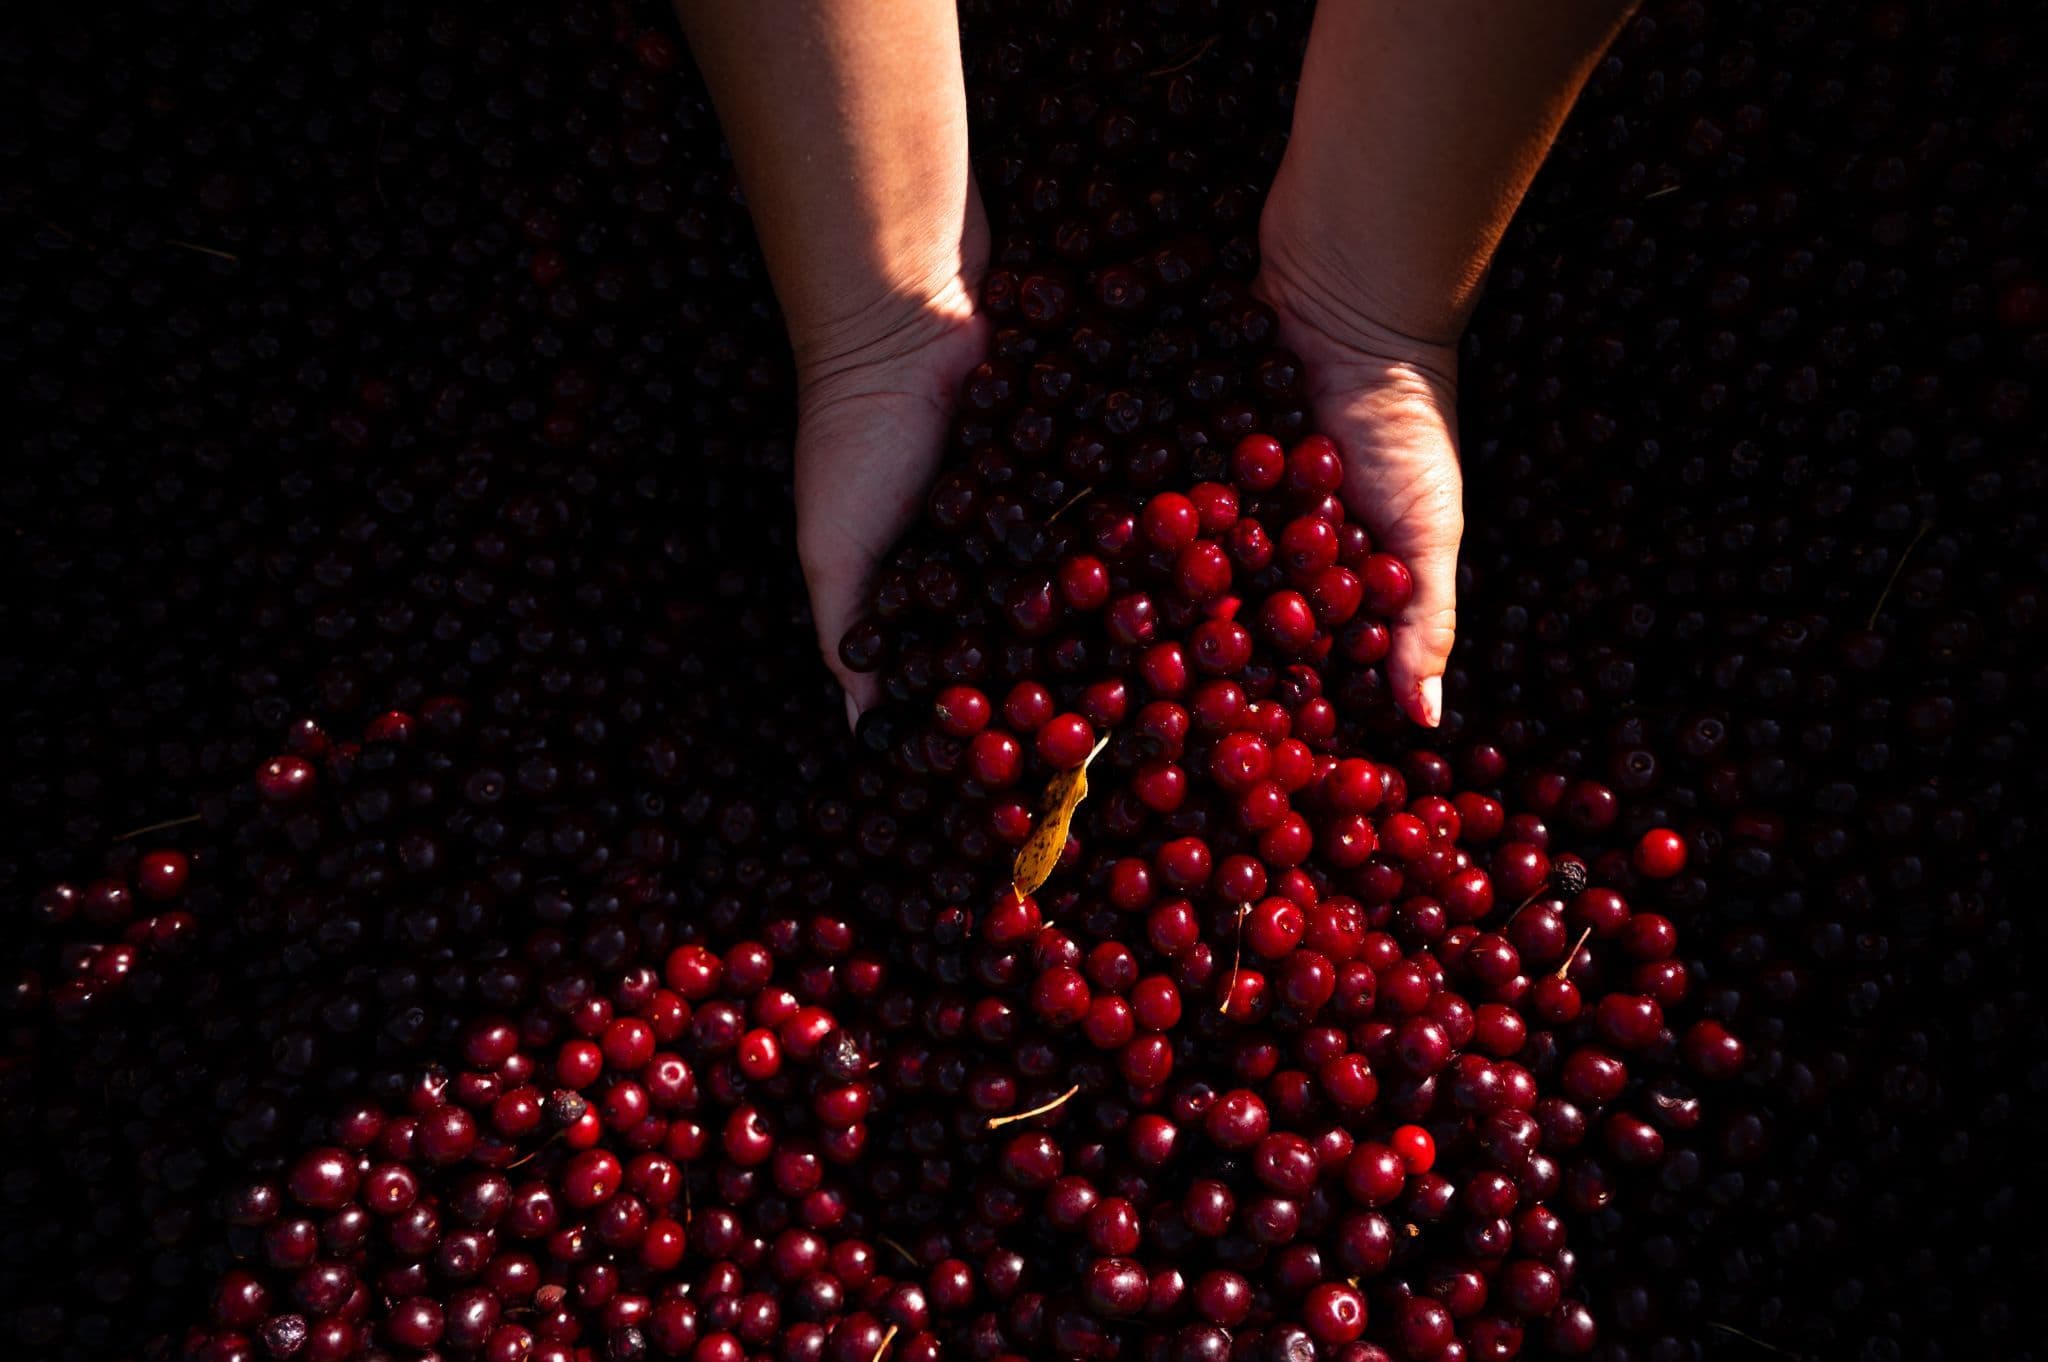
[1387, 585]
[1659, 854]
[995, 759]
[1170, 521]
[1288, 621]
[1258, 463]
[1064, 741]
[1084, 582]
[1416, 1149]
[962, 711]
[283, 779]
[1314, 466]
[1334, 1313]
[161, 875]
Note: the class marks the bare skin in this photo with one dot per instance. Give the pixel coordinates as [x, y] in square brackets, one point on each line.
[1417, 129]
[848, 126]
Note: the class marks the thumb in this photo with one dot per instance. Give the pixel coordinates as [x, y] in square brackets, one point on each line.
[839, 578]
[1427, 540]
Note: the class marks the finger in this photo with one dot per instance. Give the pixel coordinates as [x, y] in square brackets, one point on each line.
[839, 591]
[1426, 629]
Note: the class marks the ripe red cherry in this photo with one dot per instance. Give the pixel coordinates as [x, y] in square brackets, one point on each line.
[1115, 1286]
[1417, 1150]
[283, 779]
[161, 875]
[1288, 621]
[1084, 582]
[759, 1055]
[1258, 463]
[324, 1179]
[628, 1043]
[1308, 544]
[1106, 703]
[1160, 786]
[1170, 521]
[1275, 927]
[1713, 1050]
[1374, 1175]
[1220, 647]
[1133, 619]
[1027, 706]
[1659, 854]
[962, 711]
[1202, 572]
[1336, 593]
[1237, 1120]
[1314, 466]
[1334, 1313]
[1217, 504]
[1184, 863]
[1386, 583]
[995, 759]
[1064, 740]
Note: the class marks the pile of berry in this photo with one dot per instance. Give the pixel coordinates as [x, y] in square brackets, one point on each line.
[453, 920]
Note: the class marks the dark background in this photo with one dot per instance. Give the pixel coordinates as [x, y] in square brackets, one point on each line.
[304, 305]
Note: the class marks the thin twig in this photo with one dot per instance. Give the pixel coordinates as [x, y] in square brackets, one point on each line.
[997, 1122]
[203, 250]
[70, 236]
[1561, 969]
[1751, 1338]
[159, 827]
[1897, 568]
[908, 1257]
[887, 1339]
[1244, 910]
[1069, 504]
[1187, 61]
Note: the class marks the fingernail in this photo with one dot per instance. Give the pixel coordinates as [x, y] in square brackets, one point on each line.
[852, 711]
[1432, 701]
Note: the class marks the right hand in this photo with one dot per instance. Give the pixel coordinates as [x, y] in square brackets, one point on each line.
[874, 400]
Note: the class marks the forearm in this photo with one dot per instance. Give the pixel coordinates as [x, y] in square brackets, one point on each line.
[1417, 128]
[848, 126]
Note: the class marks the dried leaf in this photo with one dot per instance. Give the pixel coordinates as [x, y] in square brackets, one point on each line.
[1041, 850]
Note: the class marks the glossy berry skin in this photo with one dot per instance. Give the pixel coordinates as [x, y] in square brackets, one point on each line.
[1659, 854]
[161, 875]
[1416, 1150]
[285, 779]
[1237, 1121]
[962, 711]
[1063, 742]
[324, 1179]
[995, 759]
[1334, 1313]
[1386, 584]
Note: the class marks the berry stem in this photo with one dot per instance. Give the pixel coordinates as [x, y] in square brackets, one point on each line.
[158, 827]
[1751, 1338]
[1574, 953]
[1897, 568]
[1237, 959]
[996, 1122]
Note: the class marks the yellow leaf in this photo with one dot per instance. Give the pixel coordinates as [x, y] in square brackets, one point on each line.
[1041, 850]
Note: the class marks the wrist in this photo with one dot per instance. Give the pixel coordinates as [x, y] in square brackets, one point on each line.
[881, 327]
[1322, 264]
[898, 304]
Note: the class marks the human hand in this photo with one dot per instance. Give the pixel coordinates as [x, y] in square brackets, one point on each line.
[872, 409]
[1389, 400]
